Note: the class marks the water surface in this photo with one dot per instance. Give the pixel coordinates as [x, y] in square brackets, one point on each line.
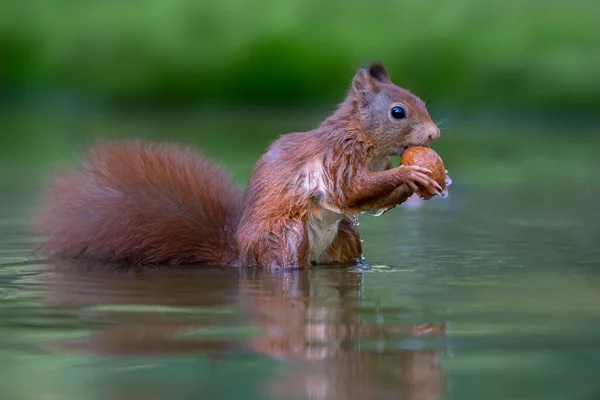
[490, 293]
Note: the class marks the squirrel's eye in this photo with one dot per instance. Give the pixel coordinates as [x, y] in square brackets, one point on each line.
[398, 113]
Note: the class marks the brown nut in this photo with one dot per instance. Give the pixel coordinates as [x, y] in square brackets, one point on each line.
[426, 158]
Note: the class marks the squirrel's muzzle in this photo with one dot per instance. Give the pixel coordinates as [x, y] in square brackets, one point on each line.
[433, 133]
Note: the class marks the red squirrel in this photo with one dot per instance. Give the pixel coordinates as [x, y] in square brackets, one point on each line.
[145, 203]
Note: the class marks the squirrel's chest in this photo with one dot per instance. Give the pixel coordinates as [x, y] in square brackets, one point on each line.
[322, 227]
[322, 223]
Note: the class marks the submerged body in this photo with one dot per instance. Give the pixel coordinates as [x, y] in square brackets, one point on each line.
[152, 204]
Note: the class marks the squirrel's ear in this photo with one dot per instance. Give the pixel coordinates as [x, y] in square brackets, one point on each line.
[377, 71]
[367, 78]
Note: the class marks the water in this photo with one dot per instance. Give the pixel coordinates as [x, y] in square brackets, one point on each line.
[491, 293]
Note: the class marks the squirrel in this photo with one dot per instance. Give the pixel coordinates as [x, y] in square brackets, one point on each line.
[161, 204]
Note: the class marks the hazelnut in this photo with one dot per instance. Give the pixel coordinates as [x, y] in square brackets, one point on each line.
[426, 158]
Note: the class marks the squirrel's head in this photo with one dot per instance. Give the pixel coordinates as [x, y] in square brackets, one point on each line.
[393, 117]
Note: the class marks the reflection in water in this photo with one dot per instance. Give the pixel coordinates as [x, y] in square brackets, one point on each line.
[318, 326]
[327, 343]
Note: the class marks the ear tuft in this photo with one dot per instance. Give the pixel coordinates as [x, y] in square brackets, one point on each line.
[378, 72]
[369, 77]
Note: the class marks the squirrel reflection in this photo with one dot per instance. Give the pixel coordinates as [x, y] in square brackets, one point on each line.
[334, 346]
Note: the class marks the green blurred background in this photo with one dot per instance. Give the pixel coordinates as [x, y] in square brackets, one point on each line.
[516, 83]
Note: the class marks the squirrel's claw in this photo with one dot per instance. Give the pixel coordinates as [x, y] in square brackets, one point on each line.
[417, 168]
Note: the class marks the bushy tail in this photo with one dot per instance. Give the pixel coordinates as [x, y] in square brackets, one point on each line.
[143, 204]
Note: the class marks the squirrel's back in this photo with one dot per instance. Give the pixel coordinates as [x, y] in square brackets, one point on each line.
[142, 203]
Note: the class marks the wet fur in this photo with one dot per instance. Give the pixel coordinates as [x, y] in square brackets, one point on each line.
[161, 204]
[281, 200]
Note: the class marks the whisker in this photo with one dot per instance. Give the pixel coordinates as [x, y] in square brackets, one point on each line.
[440, 122]
[443, 119]
[427, 98]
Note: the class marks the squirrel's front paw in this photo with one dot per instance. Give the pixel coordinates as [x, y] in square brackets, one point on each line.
[414, 176]
[447, 182]
[444, 192]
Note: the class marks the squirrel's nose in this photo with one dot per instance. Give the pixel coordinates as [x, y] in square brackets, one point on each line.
[434, 133]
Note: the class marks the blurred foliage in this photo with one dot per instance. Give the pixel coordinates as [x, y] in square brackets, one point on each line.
[462, 53]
